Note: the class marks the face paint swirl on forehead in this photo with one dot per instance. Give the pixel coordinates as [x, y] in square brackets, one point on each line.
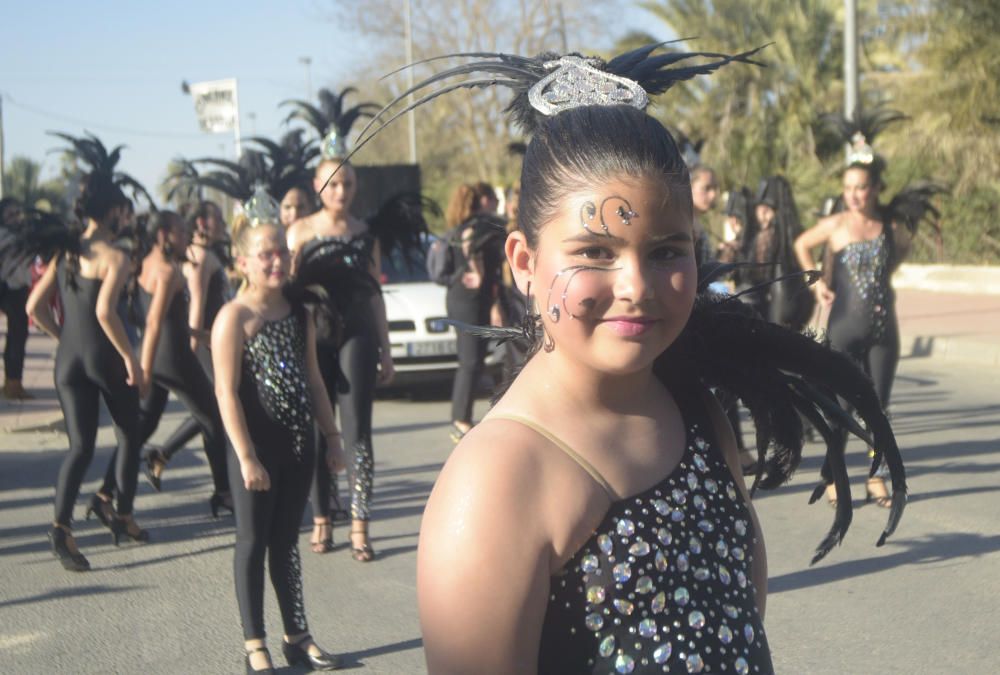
[589, 211]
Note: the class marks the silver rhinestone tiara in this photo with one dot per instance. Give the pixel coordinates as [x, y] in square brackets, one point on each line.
[575, 81]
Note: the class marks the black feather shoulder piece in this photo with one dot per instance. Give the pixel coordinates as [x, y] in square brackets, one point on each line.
[400, 224]
[98, 160]
[779, 375]
[330, 274]
[913, 205]
[42, 234]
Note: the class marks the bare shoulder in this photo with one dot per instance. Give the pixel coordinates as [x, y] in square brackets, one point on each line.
[301, 231]
[233, 315]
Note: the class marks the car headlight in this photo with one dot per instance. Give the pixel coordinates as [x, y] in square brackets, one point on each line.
[437, 326]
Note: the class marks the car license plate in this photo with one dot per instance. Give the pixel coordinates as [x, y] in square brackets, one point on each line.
[435, 348]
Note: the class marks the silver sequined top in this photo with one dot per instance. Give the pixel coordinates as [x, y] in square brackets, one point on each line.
[867, 267]
[663, 585]
[274, 381]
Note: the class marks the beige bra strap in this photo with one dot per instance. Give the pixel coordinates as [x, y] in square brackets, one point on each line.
[570, 452]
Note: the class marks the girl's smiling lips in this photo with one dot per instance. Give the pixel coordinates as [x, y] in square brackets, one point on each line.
[629, 326]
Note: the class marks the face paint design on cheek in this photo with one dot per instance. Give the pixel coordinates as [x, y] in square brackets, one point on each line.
[577, 300]
[590, 212]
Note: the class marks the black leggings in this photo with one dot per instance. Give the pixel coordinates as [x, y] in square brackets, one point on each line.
[196, 392]
[349, 374]
[878, 360]
[467, 308]
[79, 388]
[268, 522]
[189, 428]
[12, 303]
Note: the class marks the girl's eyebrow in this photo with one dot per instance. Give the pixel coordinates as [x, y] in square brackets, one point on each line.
[594, 237]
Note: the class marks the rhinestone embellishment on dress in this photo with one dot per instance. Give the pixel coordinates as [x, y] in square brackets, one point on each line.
[662, 582]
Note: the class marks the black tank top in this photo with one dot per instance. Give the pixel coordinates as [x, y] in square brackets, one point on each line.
[861, 282]
[81, 332]
[173, 351]
[664, 582]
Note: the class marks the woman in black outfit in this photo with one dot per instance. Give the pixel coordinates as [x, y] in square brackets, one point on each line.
[162, 304]
[94, 359]
[864, 244]
[271, 394]
[474, 288]
[208, 289]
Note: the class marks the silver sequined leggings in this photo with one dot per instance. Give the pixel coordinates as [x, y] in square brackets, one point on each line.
[349, 374]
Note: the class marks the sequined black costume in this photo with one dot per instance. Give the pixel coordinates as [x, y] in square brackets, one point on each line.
[863, 316]
[348, 360]
[664, 582]
[277, 408]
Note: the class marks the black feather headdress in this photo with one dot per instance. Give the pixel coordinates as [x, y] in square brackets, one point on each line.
[286, 163]
[331, 120]
[653, 73]
[98, 161]
[860, 131]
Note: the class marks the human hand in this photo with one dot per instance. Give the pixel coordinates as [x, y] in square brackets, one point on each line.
[824, 296]
[386, 369]
[255, 476]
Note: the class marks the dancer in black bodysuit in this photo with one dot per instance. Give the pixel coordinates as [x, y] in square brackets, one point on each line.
[209, 289]
[162, 304]
[94, 359]
[270, 389]
[865, 243]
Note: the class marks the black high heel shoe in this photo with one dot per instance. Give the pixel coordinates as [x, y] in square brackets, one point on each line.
[120, 526]
[101, 508]
[298, 653]
[74, 562]
[219, 500]
[153, 459]
[250, 669]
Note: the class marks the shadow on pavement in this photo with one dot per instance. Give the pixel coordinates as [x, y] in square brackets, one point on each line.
[76, 591]
[933, 549]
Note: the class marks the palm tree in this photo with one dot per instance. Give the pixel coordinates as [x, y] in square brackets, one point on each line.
[22, 181]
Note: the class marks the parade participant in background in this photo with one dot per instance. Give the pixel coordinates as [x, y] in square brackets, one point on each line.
[208, 289]
[601, 501]
[161, 306]
[15, 281]
[94, 359]
[474, 288]
[359, 357]
[704, 191]
[271, 395]
[770, 253]
[865, 243]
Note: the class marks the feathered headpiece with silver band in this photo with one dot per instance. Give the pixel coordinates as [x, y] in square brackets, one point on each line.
[860, 131]
[332, 122]
[551, 83]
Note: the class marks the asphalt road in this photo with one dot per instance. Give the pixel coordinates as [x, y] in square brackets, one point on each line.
[924, 603]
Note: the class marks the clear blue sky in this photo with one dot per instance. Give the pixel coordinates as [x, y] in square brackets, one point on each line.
[115, 68]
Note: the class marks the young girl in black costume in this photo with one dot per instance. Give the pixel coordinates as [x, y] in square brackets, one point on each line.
[208, 289]
[269, 388]
[596, 519]
[162, 303]
[94, 359]
[865, 243]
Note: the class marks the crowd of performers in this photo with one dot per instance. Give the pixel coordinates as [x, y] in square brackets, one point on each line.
[605, 487]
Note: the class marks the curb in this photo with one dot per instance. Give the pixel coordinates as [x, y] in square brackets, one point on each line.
[951, 348]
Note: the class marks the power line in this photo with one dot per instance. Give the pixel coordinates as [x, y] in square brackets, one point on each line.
[98, 125]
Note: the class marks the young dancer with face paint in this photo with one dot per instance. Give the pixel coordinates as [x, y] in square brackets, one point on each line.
[596, 519]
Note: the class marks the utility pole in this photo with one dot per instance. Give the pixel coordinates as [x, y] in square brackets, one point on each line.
[408, 37]
[851, 99]
[307, 62]
[1, 146]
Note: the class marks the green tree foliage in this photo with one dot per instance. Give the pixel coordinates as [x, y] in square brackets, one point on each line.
[22, 181]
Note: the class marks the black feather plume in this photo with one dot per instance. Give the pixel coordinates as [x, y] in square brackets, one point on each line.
[913, 204]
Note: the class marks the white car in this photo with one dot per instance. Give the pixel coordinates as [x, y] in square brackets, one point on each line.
[423, 346]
